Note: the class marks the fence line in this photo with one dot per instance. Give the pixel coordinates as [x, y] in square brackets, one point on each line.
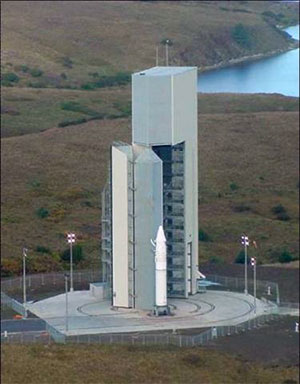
[26, 337]
[41, 285]
[264, 289]
[170, 339]
[51, 335]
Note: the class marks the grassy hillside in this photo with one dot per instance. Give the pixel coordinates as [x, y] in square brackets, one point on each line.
[92, 364]
[66, 97]
[71, 43]
[248, 164]
[28, 110]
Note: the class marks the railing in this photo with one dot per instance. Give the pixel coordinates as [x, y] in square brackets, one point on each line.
[180, 340]
[264, 289]
[40, 286]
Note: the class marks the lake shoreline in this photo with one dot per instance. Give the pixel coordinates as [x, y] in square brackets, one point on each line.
[248, 58]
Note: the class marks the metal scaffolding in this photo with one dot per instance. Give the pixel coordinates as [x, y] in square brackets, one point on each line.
[106, 233]
[173, 214]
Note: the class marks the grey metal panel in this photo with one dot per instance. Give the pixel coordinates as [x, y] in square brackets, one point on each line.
[140, 108]
[151, 110]
[160, 110]
[148, 217]
[185, 106]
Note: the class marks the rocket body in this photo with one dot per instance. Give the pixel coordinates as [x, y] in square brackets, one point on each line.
[160, 269]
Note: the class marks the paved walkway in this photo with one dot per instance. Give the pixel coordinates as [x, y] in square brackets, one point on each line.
[87, 315]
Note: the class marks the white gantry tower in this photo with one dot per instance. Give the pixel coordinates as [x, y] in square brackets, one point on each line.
[154, 182]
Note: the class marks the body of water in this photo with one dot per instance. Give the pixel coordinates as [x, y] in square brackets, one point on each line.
[276, 74]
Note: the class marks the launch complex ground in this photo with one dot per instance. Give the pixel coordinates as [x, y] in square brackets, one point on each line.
[89, 315]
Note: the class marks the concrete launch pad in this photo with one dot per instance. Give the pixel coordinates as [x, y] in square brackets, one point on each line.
[88, 315]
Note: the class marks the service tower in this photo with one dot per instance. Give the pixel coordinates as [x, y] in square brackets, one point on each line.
[154, 182]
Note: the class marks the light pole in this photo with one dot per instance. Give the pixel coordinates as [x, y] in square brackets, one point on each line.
[25, 250]
[167, 52]
[253, 263]
[71, 240]
[67, 314]
[156, 52]
[245, 242]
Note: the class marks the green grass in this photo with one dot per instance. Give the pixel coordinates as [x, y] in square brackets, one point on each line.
[29, 110]
[92, 364]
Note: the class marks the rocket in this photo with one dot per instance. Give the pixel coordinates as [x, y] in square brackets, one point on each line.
[160, 269]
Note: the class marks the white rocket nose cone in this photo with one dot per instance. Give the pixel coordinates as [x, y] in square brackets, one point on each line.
[160, 237]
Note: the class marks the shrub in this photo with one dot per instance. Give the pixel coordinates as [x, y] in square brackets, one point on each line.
[42, 213]
[285, 257]
[67, 122]
[283, 216]
[42, 249]
[278, 209]
[24, 68]
[240, 258]
[120, 78]
[241, 35]
[63, 76]
[34, 184]
[37, 84]
[66, 62]
[88, 86]
[203, 236]
[9, 77]
[233, 186]
[241, 207]
[76, 252]
[36, 72]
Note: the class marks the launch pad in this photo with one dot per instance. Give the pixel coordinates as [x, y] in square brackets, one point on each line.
[88, 315]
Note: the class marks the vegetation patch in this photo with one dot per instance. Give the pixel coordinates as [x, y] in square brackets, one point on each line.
[121, 78]
[240, 258]
[42, 249]
[241, 35]
[42, 213]
[241, 207]
[233, 186]
[77, 254]
[203, 236]
[285, 257]
[280, 212]
[36, 72]
[8, 79]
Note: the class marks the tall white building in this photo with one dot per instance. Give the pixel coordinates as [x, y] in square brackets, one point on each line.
[153, 182]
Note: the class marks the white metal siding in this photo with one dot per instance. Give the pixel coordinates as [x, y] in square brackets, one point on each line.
[148, 217]
[120, 227]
